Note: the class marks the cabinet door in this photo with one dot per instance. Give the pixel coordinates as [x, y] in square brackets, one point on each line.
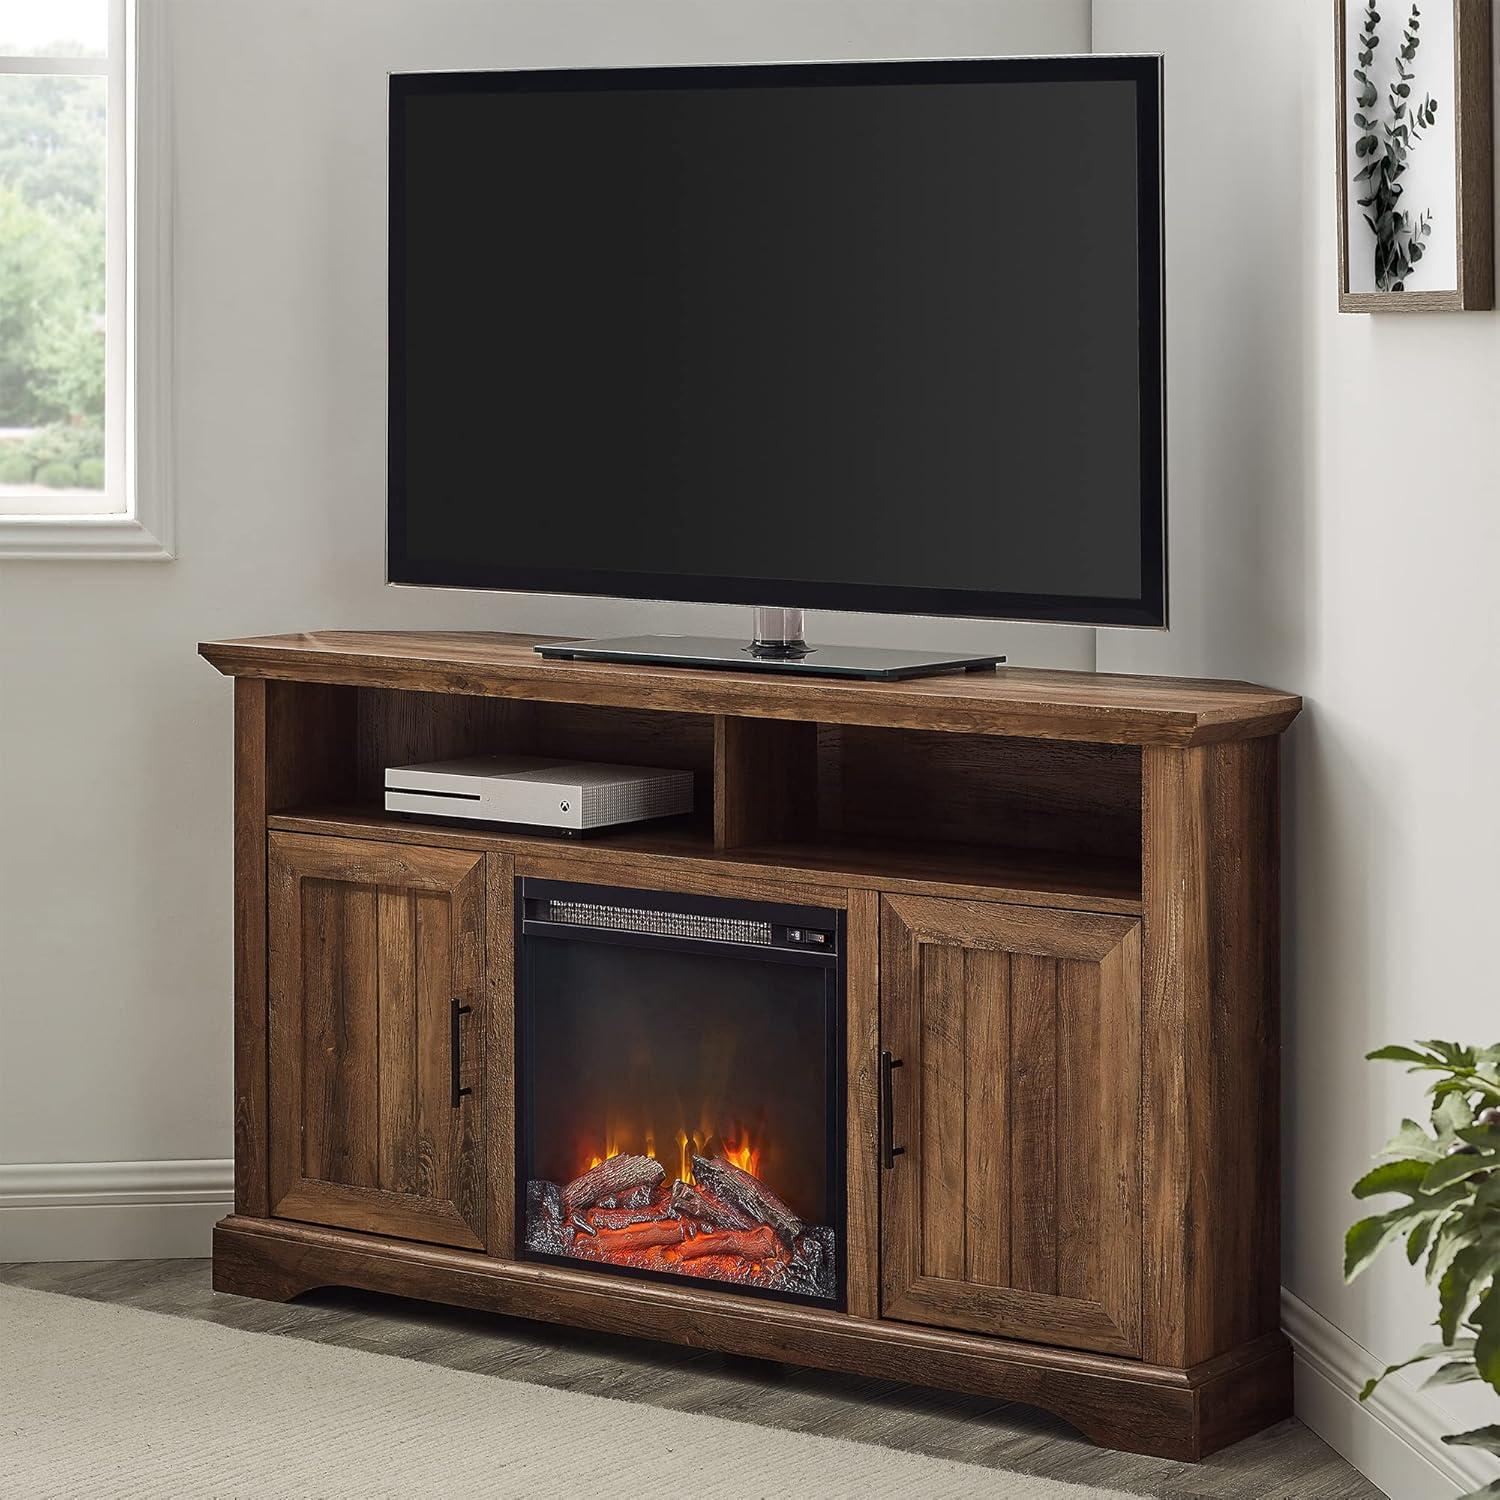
[377, 1024]
[1011, 1203]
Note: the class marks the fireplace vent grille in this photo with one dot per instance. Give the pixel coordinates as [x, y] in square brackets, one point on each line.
[660, 923]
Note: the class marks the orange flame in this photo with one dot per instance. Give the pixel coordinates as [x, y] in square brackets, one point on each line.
[744, 1156]
[737, 1145]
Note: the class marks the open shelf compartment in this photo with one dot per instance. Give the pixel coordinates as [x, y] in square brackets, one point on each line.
[901, 809]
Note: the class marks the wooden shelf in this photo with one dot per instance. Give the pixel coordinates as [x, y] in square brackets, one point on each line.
[1084, 707]
[1025, 876]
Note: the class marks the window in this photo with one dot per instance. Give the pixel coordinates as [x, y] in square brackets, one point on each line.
[75, 350]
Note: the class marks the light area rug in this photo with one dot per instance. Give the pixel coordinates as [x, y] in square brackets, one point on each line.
[112, 1403]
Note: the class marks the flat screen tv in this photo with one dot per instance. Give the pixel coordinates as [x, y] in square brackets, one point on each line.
[852, 336]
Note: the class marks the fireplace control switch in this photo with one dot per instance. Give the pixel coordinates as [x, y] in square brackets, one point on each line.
[808, 937]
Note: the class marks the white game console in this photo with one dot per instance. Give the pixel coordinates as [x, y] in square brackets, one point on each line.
[567, 795]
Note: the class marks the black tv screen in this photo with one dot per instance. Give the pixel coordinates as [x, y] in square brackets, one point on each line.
[880, 336]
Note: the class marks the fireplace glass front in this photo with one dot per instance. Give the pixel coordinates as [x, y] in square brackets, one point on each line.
[680, 1088]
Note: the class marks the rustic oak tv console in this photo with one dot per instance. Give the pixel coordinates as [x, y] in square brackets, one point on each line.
[1057, 1172]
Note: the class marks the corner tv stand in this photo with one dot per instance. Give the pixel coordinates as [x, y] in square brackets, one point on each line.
[1050, 1169]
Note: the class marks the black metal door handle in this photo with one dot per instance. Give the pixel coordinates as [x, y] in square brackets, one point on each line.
[889, 1151]
[455, 1050]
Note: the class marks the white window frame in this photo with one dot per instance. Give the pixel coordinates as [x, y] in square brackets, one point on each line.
[137, 309]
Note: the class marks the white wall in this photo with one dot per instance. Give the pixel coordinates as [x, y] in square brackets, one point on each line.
[1334, 531]
[114, 738]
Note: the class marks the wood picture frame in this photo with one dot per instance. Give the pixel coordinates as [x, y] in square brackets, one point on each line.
[1460, 271]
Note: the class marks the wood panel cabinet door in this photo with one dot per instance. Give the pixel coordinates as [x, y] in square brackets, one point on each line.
[377, 1002]
[1011, 1084]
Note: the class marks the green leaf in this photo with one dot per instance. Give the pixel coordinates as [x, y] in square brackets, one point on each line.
[1417, 1240]
[1394, 1054]
[1454, 1168]
[1408, 1176]
[1452, 1114]
[1456, 1054]
[1426, 1352]
[1487, 1321]
[1455, 1236]
[1455, 1372]
[1487, 1438]
[1411, 1140]
[1366, 1239]
[1461, 1282]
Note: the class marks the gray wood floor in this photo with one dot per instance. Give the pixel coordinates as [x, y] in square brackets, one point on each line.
[1285, 1463]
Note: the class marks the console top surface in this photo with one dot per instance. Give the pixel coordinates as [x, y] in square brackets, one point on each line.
[1020, 701]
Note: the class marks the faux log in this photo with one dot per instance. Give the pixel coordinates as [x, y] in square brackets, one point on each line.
[641, 1236]
[622, 1218]
[745, 1244]
[749, 1195]
[620, 1174]
[688, 1203]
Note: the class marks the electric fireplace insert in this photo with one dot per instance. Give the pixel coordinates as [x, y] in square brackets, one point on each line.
[680, 1088]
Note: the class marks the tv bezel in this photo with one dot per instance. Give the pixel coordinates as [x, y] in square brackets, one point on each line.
[1149, 610]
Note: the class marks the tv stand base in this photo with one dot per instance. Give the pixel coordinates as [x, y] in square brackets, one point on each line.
[724, 654]
[1118, 1403]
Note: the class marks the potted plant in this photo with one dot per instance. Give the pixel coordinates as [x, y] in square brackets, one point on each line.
[1449, 1181]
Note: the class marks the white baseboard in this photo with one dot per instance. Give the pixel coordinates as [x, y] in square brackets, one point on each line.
[1395, 1438]
[111, 1210]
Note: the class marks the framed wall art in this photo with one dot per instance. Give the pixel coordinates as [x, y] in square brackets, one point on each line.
[1414, 151]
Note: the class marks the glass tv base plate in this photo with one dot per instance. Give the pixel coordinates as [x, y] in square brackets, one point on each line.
[873, 663]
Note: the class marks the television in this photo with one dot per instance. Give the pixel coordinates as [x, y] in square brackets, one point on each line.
[852, 336]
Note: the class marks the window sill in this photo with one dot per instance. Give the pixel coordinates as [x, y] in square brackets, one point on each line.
[115, 538]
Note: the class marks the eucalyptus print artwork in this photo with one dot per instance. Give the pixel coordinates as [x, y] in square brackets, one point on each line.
[1390, 115]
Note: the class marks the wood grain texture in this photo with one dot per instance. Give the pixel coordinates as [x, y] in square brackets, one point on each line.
[765, 781]
[895, 786]
[396, 1005]
[251, 1100]
[1016, 701]
[1121, 1403]
[988, 1003]
[1098, 1194]
[1470, 114]
[862, 1091]
[499, 1053]
[1032, 1182]
[310, 744]
[367, 955]
[938, 1152]
[1014, 1209]
[1474, 71]
[1211, 1045]
[1018, 876]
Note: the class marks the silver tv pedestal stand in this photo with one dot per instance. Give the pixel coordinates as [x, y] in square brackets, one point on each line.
[779, 645]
